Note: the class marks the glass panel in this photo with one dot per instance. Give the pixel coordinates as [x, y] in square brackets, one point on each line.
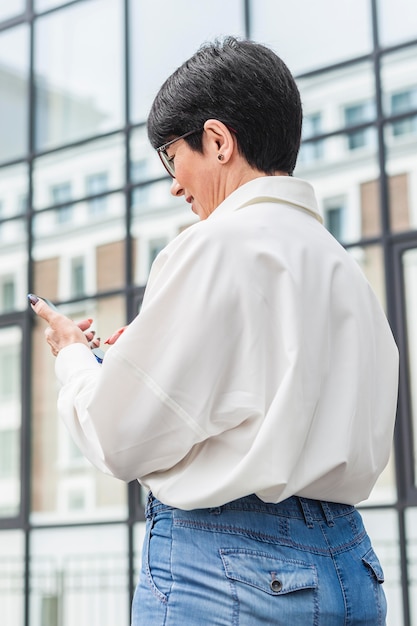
[399, 72]
[13, 265]
[13, 190]
[154, 58]
[10, 419]
[346, 183]
[326, 33]
[79, 577]
[65, 486]
[11, 577]
[78, 72]
[399, 82]
[382, 527]
[44, 5]
[397, 21]
[157, 217]
[338, 98]
[409, 261]
[145, 163]
[77, 231]
[411, 526]
[85, 170]
[10, 8]
[14, 69]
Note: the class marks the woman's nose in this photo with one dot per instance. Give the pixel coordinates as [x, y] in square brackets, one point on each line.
[176, 189]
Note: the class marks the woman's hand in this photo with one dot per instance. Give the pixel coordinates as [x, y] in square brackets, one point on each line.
[62, 331]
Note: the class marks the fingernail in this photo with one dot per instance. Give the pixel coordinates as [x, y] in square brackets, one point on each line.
[115, 336]
[32, 298]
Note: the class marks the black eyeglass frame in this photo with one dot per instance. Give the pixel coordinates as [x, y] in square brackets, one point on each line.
[167, 162]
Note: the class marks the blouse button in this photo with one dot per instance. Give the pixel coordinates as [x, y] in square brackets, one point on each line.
[276, 585]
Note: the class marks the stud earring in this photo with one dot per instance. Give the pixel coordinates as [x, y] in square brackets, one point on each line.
[220, 157]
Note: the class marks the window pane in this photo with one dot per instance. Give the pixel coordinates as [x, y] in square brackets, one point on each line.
[10, 420]
[399, 73]
[13, 265]
[13, 191]
[71, 232]
[80, 574]
[14, 68]
[157, 217]
[78, 70]
[309, 35]
[176, 40]
[409, 261]
[11, 577]
[397, 21]
[65, 486]
[399, 81]
[346, 184]
[145, 163]
[78, 167]
[382, 527]
[337, 98]
[10, 8]
[44, 5]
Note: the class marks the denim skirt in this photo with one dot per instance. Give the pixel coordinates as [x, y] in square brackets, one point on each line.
[301, 562]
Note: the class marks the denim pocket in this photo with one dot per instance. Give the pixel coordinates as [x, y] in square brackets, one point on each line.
[269, 574]
[284, 591]
[372, 562]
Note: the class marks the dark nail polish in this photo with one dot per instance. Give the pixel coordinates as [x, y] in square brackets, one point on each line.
[32, 298]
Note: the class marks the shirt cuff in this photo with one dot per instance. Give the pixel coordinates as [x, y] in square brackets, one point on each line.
[72, 359]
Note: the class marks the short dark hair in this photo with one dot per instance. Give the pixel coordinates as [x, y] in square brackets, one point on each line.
[245, 85]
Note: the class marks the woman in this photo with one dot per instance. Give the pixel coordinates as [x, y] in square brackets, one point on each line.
[254, 395]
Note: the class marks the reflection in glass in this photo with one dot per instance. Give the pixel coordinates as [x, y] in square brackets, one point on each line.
[65, 486]
[145, 163]
[13, 191]
[44, 5]
[11, 577]
[309, 35]
[13, 265]
[346, 185]
[157, 218]
[14, 70]
[79, 576]
[397, 21]
[89, 169]
[339, 97]
[400, 97]
[73, 232]
[11, 8]
[78, 72]
[181, 41]
[399, 82]
[409, 261]
[411, 534]
[382, 527]
[10, 419]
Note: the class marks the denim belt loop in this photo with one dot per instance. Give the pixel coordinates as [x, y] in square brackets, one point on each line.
[306, 512]
[327, 512]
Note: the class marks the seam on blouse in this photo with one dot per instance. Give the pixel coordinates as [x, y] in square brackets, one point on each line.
[164, 397]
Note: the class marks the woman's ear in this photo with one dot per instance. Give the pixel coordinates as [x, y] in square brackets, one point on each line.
[219, 140]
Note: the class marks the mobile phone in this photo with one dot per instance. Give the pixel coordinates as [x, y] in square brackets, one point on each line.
[98, 352]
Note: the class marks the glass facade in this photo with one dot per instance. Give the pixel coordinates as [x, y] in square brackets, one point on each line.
[85, 208]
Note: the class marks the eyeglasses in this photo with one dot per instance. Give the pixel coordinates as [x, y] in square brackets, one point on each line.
[168, 162]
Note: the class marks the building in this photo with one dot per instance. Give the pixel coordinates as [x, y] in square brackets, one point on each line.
[85, 207]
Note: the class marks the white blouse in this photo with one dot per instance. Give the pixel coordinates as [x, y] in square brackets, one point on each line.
[261, 362]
